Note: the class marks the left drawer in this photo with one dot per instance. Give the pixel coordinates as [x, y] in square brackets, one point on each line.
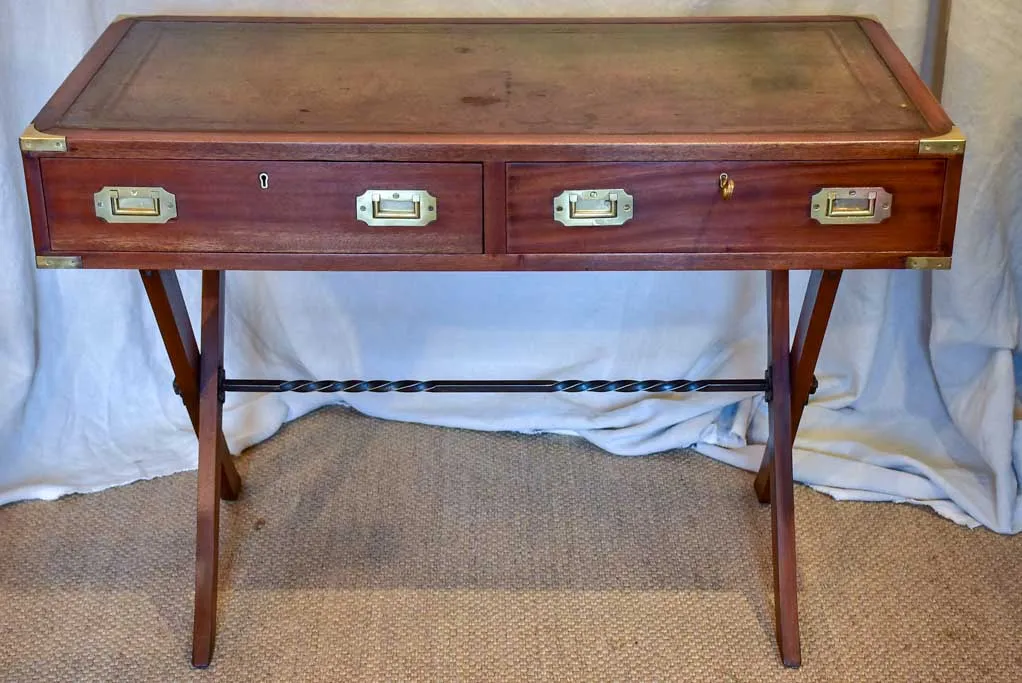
[276, 207]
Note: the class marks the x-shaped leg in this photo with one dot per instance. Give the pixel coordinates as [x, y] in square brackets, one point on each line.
[791, 376]
[198, 380]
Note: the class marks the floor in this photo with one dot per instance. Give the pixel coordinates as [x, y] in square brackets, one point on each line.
[366, 550]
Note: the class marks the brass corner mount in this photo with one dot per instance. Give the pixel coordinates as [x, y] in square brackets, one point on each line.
[928, 262]
[46, 262]
[34, 140]
[950, 143]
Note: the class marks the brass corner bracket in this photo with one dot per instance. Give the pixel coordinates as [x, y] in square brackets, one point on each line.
[58, 261]
[33, 140]
[950, 143]
[928, 262]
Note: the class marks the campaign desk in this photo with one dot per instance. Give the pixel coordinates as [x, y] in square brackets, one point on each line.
[450, 145]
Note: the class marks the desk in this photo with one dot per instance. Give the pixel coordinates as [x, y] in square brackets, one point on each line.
[313, 144]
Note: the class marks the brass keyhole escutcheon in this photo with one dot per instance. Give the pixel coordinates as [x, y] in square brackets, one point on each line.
[727, 186]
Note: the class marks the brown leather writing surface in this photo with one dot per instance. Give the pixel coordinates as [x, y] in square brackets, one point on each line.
[483, 78]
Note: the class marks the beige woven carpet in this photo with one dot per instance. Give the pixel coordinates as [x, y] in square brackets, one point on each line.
[379, 551]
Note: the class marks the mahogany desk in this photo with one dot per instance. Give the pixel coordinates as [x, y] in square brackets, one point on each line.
[312, 144]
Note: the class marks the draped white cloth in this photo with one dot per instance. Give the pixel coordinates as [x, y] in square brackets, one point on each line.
[917, 388]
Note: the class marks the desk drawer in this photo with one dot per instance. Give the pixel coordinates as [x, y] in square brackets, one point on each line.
[678, 207]
[222, 206]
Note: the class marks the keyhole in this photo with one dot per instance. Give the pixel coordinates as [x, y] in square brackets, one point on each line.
[264, 180]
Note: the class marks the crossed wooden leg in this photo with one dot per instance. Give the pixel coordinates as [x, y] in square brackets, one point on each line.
[198, 381]
[791, 377]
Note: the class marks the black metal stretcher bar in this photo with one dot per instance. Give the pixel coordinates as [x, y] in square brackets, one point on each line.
[541, 386]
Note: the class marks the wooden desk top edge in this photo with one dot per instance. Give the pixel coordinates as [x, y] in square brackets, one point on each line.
[483, 147]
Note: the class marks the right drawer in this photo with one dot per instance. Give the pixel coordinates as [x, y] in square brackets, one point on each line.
[680, 207]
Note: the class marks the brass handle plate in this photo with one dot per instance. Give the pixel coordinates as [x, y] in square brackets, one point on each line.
[591, 208]
[396, 208]
[851, 205]
[135, 205]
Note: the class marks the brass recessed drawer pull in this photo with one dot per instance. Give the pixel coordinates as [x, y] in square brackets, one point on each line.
[593, 207]
[850, 205]
[396, 208]
[135, 205]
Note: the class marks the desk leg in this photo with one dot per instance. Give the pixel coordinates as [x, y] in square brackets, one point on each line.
[198, 381]
[782, 510]
[805, 351]
[168, 305]
[210, 470]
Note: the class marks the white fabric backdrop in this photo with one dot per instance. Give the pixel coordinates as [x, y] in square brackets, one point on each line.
[917, 387]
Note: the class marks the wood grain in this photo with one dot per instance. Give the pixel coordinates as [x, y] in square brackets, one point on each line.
[207, 532]
[37, 204]
[494, 208]
[475, 262]
[949, 206]
[256, 19]
[678, 207]
[434, 147]
[308, 207]
[782, 508]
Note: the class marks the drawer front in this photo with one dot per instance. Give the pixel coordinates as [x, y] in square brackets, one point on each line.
[679, 207]
[223, 206]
